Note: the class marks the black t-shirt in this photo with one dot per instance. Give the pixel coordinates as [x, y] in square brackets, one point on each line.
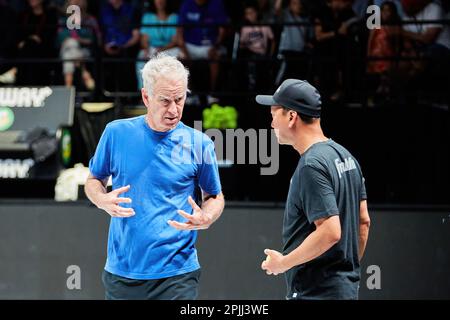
[327, 181]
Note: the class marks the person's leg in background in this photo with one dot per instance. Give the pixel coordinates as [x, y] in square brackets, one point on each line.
[142, 57]
[213, 55]
[69, 51]
[127, 70]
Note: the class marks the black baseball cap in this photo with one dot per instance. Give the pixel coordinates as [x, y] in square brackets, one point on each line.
[297, 95]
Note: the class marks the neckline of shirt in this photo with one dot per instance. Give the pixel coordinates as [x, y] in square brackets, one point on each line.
[159, 133]
[329, 140]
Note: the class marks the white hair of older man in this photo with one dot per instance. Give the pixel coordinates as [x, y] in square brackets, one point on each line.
[162, 66]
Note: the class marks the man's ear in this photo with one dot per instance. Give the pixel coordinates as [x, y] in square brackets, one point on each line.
[145, 97]
[292, 116]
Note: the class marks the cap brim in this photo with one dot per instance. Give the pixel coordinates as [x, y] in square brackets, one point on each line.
[265, 100]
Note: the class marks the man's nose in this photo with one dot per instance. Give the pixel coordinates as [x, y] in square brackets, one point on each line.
[172, 108]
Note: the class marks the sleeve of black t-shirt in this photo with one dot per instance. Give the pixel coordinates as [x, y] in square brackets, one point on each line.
[317, 194]
[363, 193]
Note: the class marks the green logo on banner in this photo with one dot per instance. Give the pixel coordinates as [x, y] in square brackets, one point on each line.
[6, 118]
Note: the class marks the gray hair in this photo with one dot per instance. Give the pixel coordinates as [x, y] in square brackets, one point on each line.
[162, 66]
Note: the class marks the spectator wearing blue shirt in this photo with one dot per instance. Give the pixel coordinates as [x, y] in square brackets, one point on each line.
[157, 164]
[120, 23]
[155, 39]
[206, 40]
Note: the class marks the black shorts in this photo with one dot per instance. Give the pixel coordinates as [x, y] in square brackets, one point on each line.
[181, 287]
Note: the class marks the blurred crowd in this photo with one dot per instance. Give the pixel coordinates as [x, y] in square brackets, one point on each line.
[233, 45]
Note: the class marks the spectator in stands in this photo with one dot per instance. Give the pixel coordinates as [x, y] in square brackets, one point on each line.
[430, 40]
[384, 43]
[206, 40]
[296, 41]
[435, 34]
[398, 5]
[120, 23]
[8, 42]
[155, 39]
[360, 7]
[332, 43]
[60, 5]
[256, 43]
[37, 34]
[78, 44]
[266, 11]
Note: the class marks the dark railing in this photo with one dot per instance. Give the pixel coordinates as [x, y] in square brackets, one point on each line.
[233, 58]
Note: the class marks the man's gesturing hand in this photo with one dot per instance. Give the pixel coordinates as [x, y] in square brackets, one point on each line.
[198, 220]
[110, 203]
[274, 264]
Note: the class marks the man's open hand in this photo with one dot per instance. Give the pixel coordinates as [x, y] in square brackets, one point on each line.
[198, 220]
[110, 203]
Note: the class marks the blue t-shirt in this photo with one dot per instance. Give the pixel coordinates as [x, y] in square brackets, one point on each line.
[213, 12]
[159, 36]
[163, 169]
[119, 24]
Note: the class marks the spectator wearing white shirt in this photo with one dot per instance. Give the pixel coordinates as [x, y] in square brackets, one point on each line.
[427, 33]
[431, 41]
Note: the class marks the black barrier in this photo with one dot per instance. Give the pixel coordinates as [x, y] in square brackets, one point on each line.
[44, 244]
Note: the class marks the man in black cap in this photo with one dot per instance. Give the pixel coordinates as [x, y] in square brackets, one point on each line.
[326, 221]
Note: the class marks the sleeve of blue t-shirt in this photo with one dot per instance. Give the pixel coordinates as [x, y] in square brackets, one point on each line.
[99, 165]
[208, 173]
[173, 19]
[317, 194]
[146, 19]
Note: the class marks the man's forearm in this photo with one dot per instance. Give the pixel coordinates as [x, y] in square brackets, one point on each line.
[94, 190]
[314, 245]
[213, 206]
[428, 37]
[135, 38]
[364, 225]
[363, 236]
